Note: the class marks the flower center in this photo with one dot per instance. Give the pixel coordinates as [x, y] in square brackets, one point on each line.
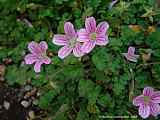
[93, 36]
[146, 99]
[72, 42]
[43, 55]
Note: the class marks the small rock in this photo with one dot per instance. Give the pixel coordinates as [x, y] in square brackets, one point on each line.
[25, 103]
[35, 102]
[31, 93]
[31, 115]
[7, 61]
[27, 88]
[2, 79]
[28, 118]
[38, 94]
[6, 105]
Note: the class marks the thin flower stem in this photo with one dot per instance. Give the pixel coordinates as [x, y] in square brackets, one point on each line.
[132, 85]
[152, 63]
[57, 72]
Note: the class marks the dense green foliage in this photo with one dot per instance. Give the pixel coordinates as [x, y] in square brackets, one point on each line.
[101, 83]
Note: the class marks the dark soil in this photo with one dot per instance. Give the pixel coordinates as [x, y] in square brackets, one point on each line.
[15, 111]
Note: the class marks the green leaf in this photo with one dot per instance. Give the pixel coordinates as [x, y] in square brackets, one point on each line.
[60, 114]
[92, 108]
[100, 59]
[89, 90]
[82, 115]
[72, 72]
[115, 43]
[18, 75]
[46, 98]
[154, 39]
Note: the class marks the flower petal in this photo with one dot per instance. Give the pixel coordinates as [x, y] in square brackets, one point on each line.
[83, 36]
[34, 47]
[90, 24]
[43, 45]
[64, 51]
[46, 60]
[112, 4]
[77, 51]
[136, 56]
[156, 97]
[137, 101]
[37, 66]
[88, 46]
[144, 111]
[132, 58]
[102, 40]
[30, 59]
[155, 109]
[148, 91]
[60, 40]
[102, 27]
[69, 29]
[131, 50]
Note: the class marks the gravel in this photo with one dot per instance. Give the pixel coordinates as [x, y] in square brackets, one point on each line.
[25, 103]
[6, 105]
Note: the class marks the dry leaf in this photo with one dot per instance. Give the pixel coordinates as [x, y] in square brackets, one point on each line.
[135, 28]
[2, 72]
[146, 56]
[151, 29]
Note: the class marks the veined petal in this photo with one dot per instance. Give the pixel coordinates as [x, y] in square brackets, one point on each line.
[148, 91]
[102, 27]
[69, 29]
[137, 101]
[132, 58]
[64, 52]
[43, 45]
[130, 55]
[112, 4]
[60, 40]
[156, 97]
[131, 50]
[46, 60]
[155, 109]
[30, 59]
[136, 56]
[34, 47]
[77, 51]
[90, 24]
[144, 111]
[37, 66]
[102, 39]
[83, 36]
[88, 46]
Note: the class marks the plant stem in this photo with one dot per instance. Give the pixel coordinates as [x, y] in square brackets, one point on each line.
[152, 63]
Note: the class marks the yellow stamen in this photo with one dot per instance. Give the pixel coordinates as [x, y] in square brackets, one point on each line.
[72, 42]
[146, 99]
[93, 36]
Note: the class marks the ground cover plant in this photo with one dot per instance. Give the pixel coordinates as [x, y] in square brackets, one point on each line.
[79, 59]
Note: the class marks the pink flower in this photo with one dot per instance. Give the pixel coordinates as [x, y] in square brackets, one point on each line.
[112, 4]
[130, 55]
[148, 102]
[93, 35]
[37, 55]
[68, 41]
